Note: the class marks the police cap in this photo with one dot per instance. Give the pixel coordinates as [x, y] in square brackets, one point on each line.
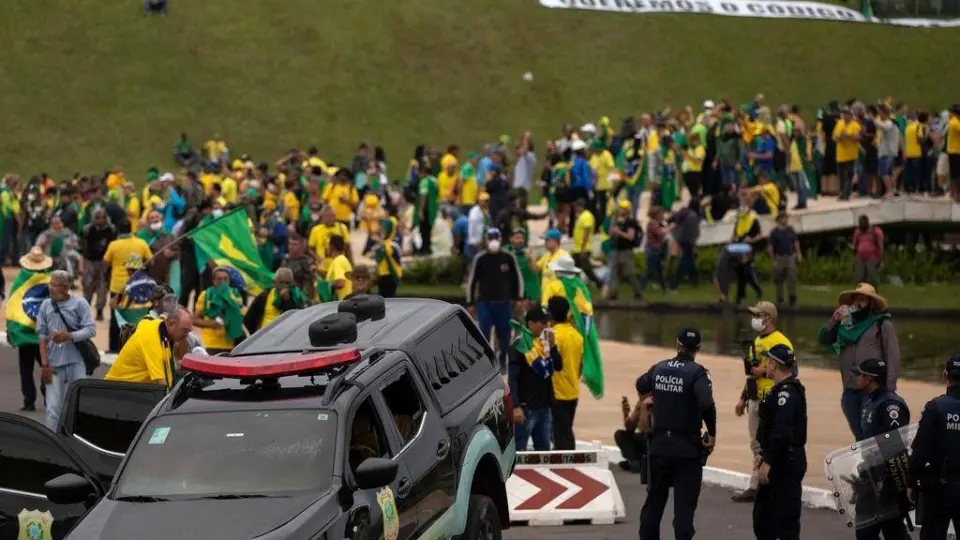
[781, 354]
[953, 367]
[872, 367]
[688, 337]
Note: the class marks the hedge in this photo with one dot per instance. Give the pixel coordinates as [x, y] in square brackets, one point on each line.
[911, 266]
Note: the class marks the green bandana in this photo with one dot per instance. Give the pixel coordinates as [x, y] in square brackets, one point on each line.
[221, 302]
[849, 334]
[297, 299]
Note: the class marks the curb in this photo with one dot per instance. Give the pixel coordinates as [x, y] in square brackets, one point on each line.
[105, 357]
[723, 478]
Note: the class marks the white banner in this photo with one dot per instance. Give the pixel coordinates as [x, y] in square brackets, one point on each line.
[769, 9]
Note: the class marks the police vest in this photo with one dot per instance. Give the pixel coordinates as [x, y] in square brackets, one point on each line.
[768, 408]
[871, 417]
[947, 449]
[675, 406]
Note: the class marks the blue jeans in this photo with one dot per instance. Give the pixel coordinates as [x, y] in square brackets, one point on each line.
[536, 425]
[800, 183]
[56, 390]
[911, 174]
[633, 195]
[496, 316]
[851, 402]
[654, 268]
[686, 266]
[728, 176]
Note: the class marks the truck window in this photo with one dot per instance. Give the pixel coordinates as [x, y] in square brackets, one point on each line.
[109, 415]
[456, 360]
[367, 439]
[30, 457]
[403, 399]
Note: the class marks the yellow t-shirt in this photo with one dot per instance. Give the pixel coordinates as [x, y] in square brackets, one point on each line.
[847, 149]
[583, 232]
[953, 138]
[315, 162]
[566, 382]
[229, 190]
[469, 191]
[912, 136]
[653, 142]
[143, 358]
[771, 195]
[209, 180]
[796, 164]
[340, 268]
[603, 165]
[555, 288]
[115, 181]
[447, 182]
[291, 206]
[546, 274]
[214, 148]
[212, 338]
[133, 213]
[761, 345]
[116, 256]
[270, 311]
[695, 157]
[320, 238]
[342, 209]
[370, 220]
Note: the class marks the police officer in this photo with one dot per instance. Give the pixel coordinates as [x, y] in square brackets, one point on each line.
[783, 460]
[682, 402]
[935, 461]
[884, 411]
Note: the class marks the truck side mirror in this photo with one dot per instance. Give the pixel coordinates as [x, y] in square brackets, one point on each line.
[375, 472]
[69, 489]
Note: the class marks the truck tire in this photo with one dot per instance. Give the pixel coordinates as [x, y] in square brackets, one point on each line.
[483, 520]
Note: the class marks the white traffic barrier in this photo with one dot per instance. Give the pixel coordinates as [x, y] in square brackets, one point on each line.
[553, 488]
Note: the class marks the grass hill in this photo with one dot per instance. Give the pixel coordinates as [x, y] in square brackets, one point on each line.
[88, 84]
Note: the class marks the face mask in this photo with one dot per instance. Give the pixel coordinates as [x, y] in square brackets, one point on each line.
[315, 216]
[217, 213]
[158, 226]
[493, 246]
[757, 324]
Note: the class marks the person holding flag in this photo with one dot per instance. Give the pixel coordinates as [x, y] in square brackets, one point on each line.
[533, 359]
[134, 301]
[531, 279]
[387, 251]
[219, 314]
[29, 289]
[570, 286]
[275, 301]
[217, 240]
[117, 255]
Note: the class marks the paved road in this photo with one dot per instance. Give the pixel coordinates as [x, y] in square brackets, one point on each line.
[717, 517]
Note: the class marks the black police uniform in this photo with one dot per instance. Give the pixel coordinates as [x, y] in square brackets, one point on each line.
[782, 436]
[935, 460]
[884, 411]
[682, 403]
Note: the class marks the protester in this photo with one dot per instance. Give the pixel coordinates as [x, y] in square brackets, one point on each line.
[386, 252]
[783, 248]
[534, 358]
[553, 252]
[860, 328]
[148, 356]
[868, 249]
[117, 255]
[494, 284]
[61, 244]
[340, 268]
[219, 314]
[164, 266]
[583, 231]
[655, 248]
[27, 292]
[846, 134]
[63, 321]
[566, 381]
[303, 265]
[626, 236]
[478, 221]
[685, 227]
[275, 301]
[94, 239]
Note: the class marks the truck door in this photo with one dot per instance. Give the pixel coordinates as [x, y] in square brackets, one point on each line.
[425, 446]
[101, 418]
[31, 455]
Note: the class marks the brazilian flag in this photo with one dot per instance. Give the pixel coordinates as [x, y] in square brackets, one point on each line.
[228, 241]
[523, 337]
[28, 291]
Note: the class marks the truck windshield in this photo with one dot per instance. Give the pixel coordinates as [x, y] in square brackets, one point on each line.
[241, 453]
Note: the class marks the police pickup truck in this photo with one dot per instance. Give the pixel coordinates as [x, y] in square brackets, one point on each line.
[362, 419]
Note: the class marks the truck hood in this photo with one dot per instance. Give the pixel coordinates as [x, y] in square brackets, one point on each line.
[240, 519]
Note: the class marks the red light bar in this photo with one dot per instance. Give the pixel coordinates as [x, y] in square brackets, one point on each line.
[243, 367]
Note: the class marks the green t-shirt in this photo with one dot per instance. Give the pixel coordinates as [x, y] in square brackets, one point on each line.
[428, 189]
[467, 170]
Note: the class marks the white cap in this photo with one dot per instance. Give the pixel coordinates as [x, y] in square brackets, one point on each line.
[588, 128]
[578, 145]
[167, 177]
[708, 104]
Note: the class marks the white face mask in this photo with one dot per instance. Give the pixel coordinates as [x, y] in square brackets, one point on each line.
[217, 213]
[315, 216]
[156, 226]
[757, 324]
[493, 246]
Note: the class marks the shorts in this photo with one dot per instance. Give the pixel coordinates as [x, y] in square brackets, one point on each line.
[885, 166]
[943, 164]
[870, 162]
[953, 162]
[830, 162]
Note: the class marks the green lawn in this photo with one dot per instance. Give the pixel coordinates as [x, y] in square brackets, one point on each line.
[89, 84]
[913, 296]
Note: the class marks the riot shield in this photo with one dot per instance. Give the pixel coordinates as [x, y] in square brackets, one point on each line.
[868, 478]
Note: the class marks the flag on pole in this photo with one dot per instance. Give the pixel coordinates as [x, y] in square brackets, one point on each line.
[228, 241]
[28, 291]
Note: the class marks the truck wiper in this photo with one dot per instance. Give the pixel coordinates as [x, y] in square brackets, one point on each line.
[141, 499]
[232, 496]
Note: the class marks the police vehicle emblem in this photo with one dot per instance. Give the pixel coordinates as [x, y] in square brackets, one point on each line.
[35, 525]
[388, 505]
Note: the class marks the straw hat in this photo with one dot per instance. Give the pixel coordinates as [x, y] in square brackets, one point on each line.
[863, 289]
[36, 260]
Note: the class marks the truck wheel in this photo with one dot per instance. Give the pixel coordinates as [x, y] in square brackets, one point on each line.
[483, 520]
